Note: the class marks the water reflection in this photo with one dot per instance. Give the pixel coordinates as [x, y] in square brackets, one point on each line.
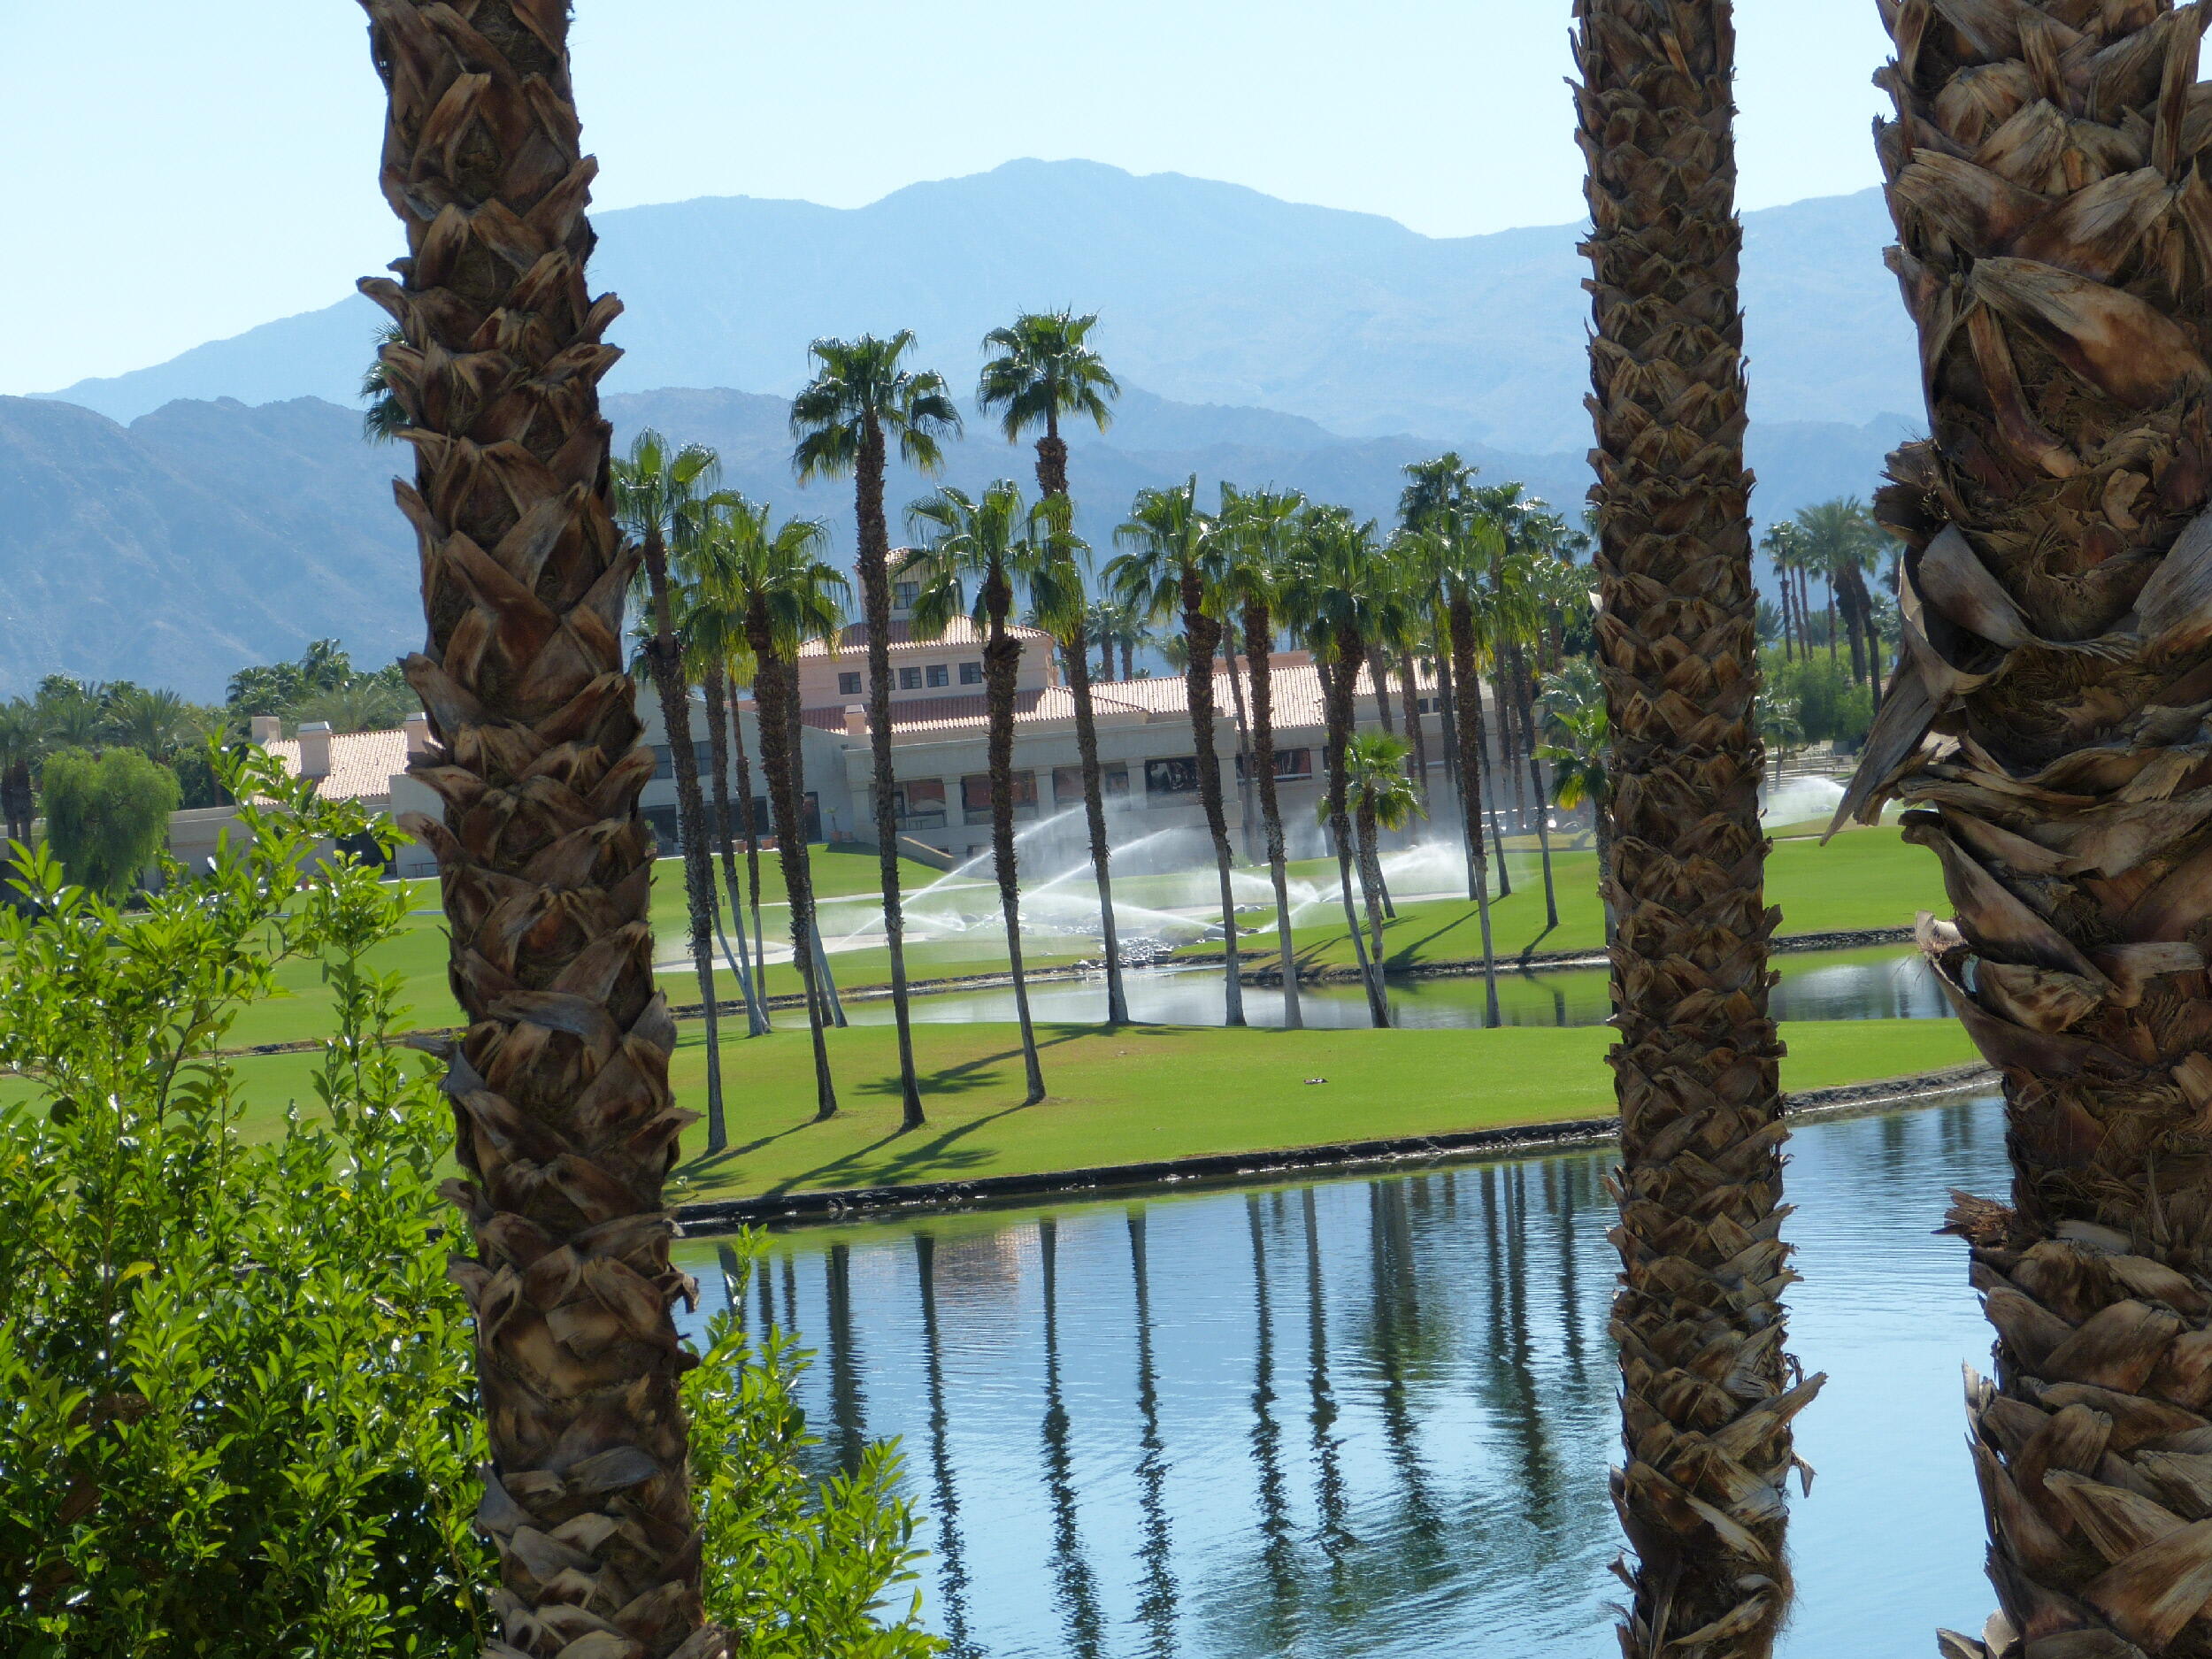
[1374, 1417]
[1884, 983]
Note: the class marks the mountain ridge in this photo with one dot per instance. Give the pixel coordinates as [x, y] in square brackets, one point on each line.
[208, 534]
[1208, 292]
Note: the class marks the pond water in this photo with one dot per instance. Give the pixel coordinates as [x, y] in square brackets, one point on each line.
[1373, 1416]
[1882, 983]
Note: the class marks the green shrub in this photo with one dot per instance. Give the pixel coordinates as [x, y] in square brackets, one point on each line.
[107, 816]
[1828, 706]
[237, 1406]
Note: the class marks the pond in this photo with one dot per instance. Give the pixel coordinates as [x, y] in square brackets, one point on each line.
[1885, 982]
[1373, 1416]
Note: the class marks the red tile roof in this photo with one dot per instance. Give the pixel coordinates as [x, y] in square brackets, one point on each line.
[361, 763]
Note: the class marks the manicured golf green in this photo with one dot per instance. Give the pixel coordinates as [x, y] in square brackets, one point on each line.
[1151, 1092]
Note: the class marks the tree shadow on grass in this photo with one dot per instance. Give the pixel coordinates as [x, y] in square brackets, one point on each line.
[940, 1155]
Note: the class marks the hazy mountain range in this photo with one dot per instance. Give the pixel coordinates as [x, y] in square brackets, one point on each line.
[1208, 294]
[238, 514]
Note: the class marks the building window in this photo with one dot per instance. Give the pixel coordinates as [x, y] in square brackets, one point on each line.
[1289, 764]
[1067, 783]
[975, 797]
[1179, 776]
[848, 685]
[904, 594]
[971, 673]
[909, 680]
[939, 673]
[919, 804]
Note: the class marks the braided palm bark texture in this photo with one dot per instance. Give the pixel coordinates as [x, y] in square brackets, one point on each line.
[566, 1126]
[1707, 1398]
[2047, 173]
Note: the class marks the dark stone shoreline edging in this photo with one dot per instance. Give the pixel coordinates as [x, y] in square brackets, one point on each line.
[878, 1202]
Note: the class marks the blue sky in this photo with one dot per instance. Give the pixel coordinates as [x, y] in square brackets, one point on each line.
[169, 184]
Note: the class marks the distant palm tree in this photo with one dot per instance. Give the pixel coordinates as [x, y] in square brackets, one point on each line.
[1839, 541]
[861, 400]
[1451, 548]
[1327, 596]
[1779, 727]
[1046, 369]
[156, 723]
[1116, 626]
[989, 547]
[1382, 798]
[1259, 542]
[709, 629]
[790, 597]
[1576, 721]
[384, 419]
[660, 493]
[1171, 562]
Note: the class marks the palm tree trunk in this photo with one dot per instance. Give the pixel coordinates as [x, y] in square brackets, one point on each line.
[2068, 477]
[1700, 1495]
[717, 690]
[1525, 709]
[774, 693]
[675, 696]
[1201, 635]
[1052, 479]
[1259, 651]
[748, 823]
[1379, 683]
[1128, 658]
[1459, 616]
[1409, 705]
[1002, 668]
[1341, 692]
[553, 884]
[824, 982]
[1370, 880]
[1247, 818]
[875, 593]
[1448, 728]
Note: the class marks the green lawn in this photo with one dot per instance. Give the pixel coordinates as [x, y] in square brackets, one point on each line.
[1156, 1092]
[1867, 878]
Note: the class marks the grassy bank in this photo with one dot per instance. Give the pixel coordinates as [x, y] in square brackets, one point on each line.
[1158, 1092]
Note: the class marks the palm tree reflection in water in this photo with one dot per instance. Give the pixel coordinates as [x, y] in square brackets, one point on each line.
[1155, 1610]
[1077, 1590]
[1116, 1458]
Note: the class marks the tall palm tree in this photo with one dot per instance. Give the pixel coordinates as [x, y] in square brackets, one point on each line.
[1328, 595]
[790, 596]
[1451, 550]
[560, 1087]
[1576, 724]
[861, 400]
[711, 634]
[660, 493]
[989, 547]
[1382, 798]
[2047, 708]
[1703, 1265]
[1046, 368]
[1259, 541]
[1839, 541]
[1171, 562]
[1780, 729]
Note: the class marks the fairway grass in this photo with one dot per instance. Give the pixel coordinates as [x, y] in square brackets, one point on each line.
[1870, 878]
[1152, 1092]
